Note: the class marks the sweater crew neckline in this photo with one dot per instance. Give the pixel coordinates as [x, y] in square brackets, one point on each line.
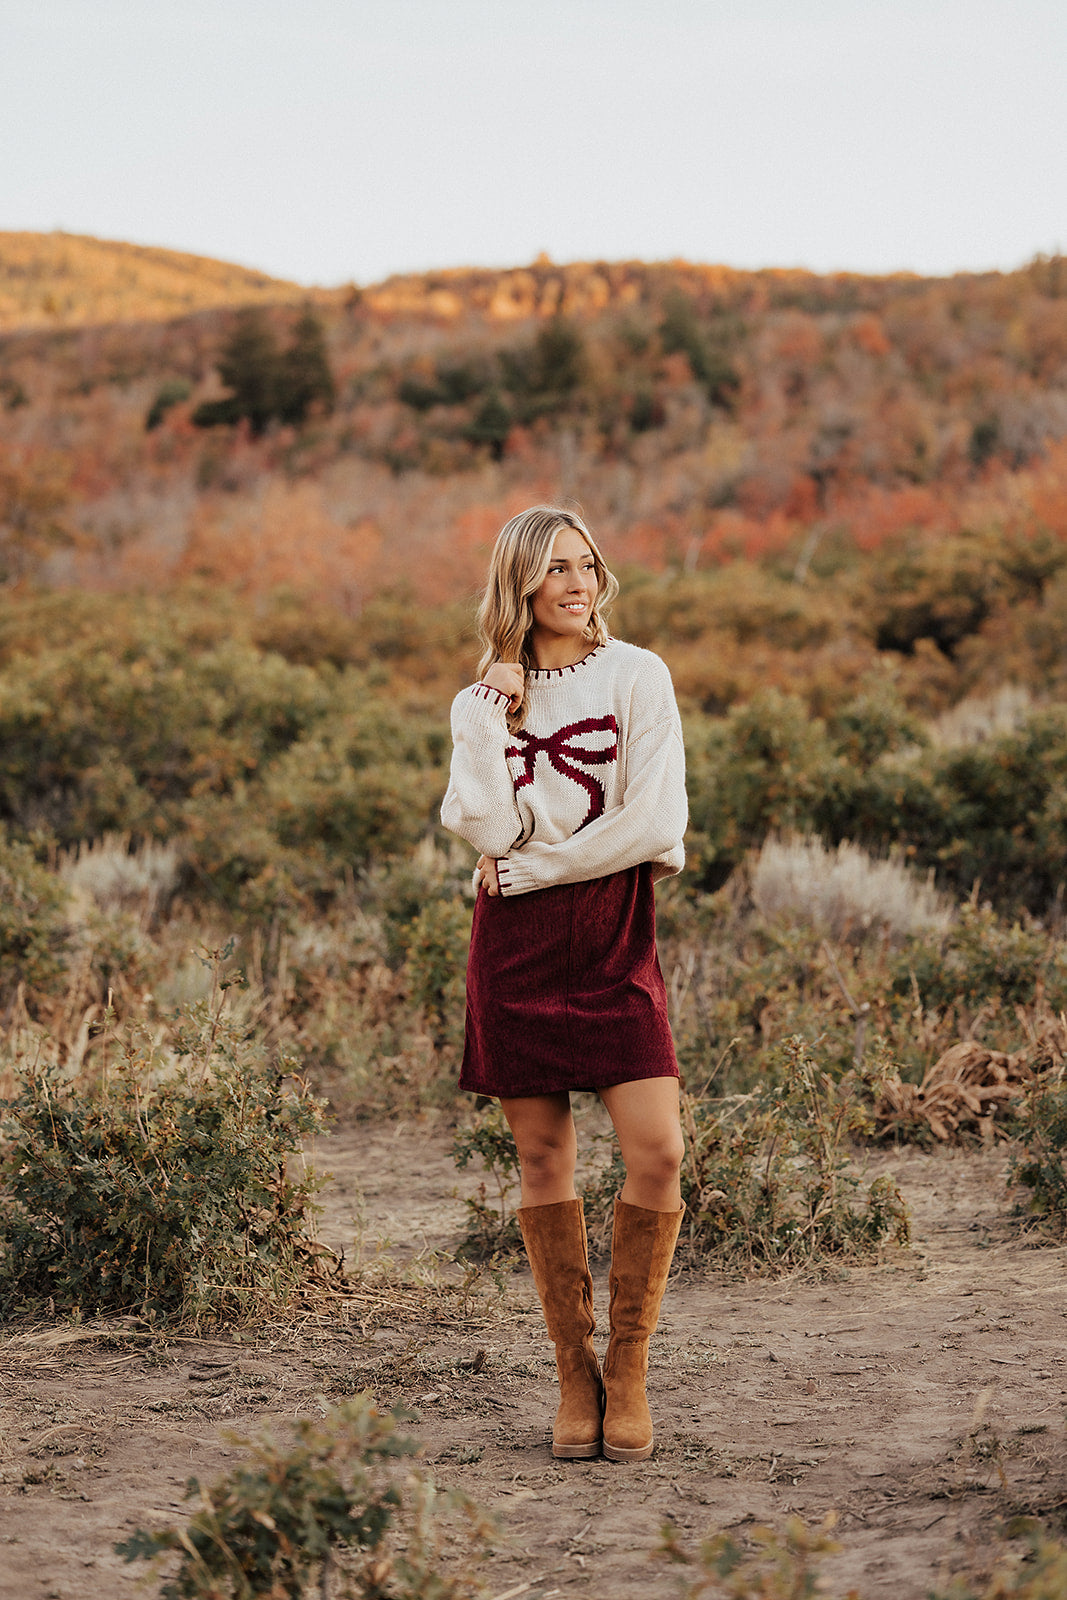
[544, 674]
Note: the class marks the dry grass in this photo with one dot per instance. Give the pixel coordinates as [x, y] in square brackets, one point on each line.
[845, 892]
[111, 876]
[983, 716]
[968, 1086]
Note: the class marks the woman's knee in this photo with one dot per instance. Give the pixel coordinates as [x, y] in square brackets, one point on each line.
[545, 1158]
[657, 1158]
[545, 1138]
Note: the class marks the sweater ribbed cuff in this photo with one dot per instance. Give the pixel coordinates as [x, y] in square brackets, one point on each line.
[514, 876]
[485, 691]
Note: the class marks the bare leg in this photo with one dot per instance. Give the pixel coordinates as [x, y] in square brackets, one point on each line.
[645, 1114]
[553, 1230]
[543, 1129]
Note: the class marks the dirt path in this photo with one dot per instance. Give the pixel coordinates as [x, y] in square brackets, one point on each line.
[922, 1400]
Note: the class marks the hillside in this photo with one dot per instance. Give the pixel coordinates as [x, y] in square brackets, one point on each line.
[50, 280]
[698, 413]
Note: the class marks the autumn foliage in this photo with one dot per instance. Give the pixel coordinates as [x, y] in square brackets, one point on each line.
[231, 624]
[698, 413]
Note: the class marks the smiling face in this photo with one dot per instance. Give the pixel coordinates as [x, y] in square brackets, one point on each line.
[563, 604]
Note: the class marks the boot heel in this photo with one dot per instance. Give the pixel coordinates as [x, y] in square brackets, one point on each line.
[576, 1452]
[613, 1453]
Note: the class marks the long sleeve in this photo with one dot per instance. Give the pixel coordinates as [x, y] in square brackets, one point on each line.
[593, 782]
[479, 804]
[647, 825]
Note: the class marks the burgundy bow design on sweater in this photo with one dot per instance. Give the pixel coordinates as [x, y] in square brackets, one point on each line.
[564, 755]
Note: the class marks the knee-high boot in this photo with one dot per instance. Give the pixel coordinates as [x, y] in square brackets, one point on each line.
[642, 1249]
[557, 1251]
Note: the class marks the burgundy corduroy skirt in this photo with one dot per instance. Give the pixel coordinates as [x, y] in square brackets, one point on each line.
[564, 989]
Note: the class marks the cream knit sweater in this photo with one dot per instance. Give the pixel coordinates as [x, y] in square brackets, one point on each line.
[592, 783]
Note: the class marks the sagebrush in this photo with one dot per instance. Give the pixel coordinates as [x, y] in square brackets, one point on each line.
[174, 1188]
[340, 1511]
[1037, 1162]
[778, 1564]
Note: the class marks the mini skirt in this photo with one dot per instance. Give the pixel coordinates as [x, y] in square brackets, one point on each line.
[564, 989]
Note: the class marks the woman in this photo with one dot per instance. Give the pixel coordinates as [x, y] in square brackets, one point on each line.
[568, 776]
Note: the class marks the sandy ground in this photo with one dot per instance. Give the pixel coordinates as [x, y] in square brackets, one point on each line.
[922, 1400]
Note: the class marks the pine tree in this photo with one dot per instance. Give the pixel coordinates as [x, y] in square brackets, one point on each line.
[491, 424]
[266, 382]
[249, 365]
[304, 376]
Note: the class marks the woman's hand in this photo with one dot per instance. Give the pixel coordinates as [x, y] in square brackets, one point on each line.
[487, 868]
[507, 677]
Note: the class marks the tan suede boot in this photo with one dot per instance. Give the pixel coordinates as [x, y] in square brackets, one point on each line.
[556, 1247]
[642, 1249]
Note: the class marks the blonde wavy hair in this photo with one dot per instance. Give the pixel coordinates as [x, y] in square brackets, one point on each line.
[517, 569]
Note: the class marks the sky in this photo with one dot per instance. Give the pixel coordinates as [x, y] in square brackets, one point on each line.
[335, 141]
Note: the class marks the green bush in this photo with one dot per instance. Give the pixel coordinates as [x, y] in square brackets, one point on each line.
[897, 803]
[982, 958]
[873, 724]
[942, 590]
[93, 742]
[233, 858]
[1005, 822]
[780, 1566]
[268, 780]
[992, 813]
[764, 769]
[1037, 1162]
[436, 943]
[35, 934]
[492, 1224]
[338, 1512]
[353, 796]
[161, 1190]
[741, 600]
[39, 622]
